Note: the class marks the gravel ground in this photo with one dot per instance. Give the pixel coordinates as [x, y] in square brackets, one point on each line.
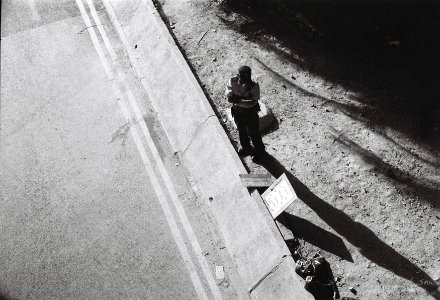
[363, 158]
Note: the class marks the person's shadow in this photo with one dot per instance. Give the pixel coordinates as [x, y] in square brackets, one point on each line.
[315, 235]
[368, 244]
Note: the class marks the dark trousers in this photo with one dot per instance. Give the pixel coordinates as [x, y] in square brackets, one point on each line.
[249, 129]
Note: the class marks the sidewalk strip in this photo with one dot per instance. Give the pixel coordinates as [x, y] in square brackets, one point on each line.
[154, 181]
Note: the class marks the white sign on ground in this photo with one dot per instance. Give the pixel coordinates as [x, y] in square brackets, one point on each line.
[279, 196]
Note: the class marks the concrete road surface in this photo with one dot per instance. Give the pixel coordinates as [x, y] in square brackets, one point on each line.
[94, 205]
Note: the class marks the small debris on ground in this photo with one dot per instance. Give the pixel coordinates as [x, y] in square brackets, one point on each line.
[219, 272]
[353, 290]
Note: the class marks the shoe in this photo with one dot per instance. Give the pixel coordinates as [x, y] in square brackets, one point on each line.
[245, 152]
[257, 157]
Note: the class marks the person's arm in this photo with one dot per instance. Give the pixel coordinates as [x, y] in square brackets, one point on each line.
[232, 98]
[253, 96]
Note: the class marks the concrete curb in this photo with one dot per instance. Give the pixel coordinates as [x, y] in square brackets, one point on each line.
[252, 239]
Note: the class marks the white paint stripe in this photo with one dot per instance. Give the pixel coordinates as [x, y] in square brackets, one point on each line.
[101, 30]
[94, 38]
[165, 207]
[112, 15]
[34, 11]
[154, 181]
[168, 183]
[171, 190]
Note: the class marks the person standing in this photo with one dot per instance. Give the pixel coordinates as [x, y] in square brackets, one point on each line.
[244, 94]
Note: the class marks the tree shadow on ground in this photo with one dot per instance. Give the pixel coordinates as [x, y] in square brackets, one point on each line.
[353, 111]
[360, 236]
[427, 191]
[315, 235]
[384, 49]
[3, 297]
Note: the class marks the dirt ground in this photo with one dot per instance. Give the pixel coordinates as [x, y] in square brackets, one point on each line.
[355, 93]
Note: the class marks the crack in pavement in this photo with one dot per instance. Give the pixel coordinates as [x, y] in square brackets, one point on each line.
[196, 132]
[81, 31]
[268, 273]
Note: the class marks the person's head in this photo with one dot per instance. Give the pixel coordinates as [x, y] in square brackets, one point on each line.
[244, 74]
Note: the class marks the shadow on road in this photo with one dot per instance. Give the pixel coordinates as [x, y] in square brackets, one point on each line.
[368, 244]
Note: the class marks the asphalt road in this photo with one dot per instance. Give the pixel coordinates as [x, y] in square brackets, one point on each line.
[88, 207]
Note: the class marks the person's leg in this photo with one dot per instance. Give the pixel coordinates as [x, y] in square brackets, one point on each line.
[254, 133]
[245, 142]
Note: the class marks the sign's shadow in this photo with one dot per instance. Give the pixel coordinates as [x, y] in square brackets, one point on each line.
[360, 236]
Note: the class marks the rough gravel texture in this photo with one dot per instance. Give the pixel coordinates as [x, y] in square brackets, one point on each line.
[363, 160]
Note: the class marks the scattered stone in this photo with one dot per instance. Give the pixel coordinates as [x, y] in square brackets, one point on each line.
[215, 59]
[353, 290]
[314, 106]
[293, 77]
[284, 86]
[224, 283]
[135, 46]
[211, 199]
[327, 110]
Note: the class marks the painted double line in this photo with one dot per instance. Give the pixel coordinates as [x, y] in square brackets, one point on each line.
[126, 96]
